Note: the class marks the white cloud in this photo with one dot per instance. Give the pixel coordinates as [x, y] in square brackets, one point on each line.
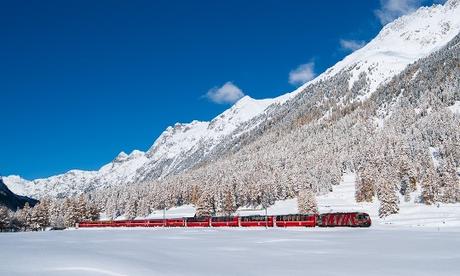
[302, 74]
[226, 94]
[392, 9]
[351, 45]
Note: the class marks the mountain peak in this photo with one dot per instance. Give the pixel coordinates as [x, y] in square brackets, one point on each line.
[400, 43]
[121, 157]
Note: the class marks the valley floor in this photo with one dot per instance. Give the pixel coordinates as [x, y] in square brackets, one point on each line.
[179, 251]
[421, 240]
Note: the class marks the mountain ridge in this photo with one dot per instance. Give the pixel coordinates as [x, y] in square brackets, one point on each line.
[13, 201]
[183, 146]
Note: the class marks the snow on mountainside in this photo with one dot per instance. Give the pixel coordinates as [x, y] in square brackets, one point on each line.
[400, 43]
[183, 140]
[173, 144]
[183, 146]
[121, 170]
[184, 137]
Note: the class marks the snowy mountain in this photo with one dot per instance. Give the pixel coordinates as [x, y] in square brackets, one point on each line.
[173, 146]
[399, 44]
[121, 170]
[184, 146]
[11, 200]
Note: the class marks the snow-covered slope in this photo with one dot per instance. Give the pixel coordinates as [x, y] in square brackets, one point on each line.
[182, 138]
[120, 171]
[400, 43]
[183, 146]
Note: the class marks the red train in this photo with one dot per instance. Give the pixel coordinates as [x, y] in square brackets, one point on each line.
[354, 219]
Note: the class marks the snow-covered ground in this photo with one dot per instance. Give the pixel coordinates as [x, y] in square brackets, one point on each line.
[211, 251]
[421, 240]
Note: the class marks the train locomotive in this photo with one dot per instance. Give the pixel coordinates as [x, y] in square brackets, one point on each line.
[352, 219]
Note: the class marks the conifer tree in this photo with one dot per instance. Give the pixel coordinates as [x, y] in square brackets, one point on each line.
[205, 206]
[71, 213]
[25, 217]
[429, 185]
[229, 203]
[306, 202]
[40, 215]
[4, 218]
[364, 190]
[131, 209]
[389, 201]
[450, 183]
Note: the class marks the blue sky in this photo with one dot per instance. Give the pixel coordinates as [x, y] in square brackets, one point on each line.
[81, 81]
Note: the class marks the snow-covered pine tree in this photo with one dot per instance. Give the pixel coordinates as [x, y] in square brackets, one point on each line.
[40, 215]
[4, 218]
[71, 213]
[450, 182]
[429, 185]
[389, 200]
[92, 212]
[306, 202]
[81, 207]
[229, 204]
[205, 206]
[25, 217]
[364, 187]
[131, 208]
[111, 206]
[56, 215]
[406, 176]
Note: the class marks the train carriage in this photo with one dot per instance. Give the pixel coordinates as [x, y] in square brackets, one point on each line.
[254, 221]
[147, 223]
[198, 221]
[227, 221]
[296, 220]
[175, 222]
[156, 223]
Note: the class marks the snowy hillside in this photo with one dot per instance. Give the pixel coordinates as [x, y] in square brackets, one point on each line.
[196, 139]
[184, 146]
[400, 43]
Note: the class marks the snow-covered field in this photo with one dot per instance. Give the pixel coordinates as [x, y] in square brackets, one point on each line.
[421, 240]
[207, 251]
